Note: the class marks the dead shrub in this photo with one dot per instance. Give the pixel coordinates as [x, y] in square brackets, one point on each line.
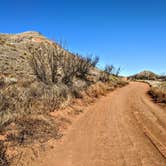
[14, 101]
[52, 65]
[105, 75]
[121, 83]
[39, 98]
[44, 62]
[109, 70]
[53, 97]
[85, 64]
[34, 128]
[96, 90]
[76, 66]
[69, 67]
[158, 95]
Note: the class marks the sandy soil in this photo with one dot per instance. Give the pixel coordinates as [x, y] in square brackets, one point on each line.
[124, 128]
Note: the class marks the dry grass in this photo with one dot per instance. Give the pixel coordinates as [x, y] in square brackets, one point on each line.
[36, 98]
[97, 90]
[33, 128]
[159, 93]
[100, 88]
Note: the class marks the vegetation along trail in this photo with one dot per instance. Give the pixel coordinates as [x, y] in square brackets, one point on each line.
[124, 128]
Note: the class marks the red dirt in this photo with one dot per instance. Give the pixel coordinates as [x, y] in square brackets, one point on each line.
[123, 128]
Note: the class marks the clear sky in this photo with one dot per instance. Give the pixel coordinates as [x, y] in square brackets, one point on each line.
[126, 33]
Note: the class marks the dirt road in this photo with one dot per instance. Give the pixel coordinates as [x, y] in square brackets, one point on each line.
[124, 128]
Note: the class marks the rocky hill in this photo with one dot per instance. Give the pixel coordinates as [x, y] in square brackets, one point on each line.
[145, 75]
[14, 53]
[16, 50]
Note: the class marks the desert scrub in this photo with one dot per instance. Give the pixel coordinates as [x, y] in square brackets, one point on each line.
[28, 129]
[97, 90]
[158, 92]
[53, 65]
[37, 98]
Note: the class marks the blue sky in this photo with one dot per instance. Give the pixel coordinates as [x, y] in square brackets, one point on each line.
[126, 33]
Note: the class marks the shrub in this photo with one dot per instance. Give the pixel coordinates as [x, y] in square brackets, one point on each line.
[14, 101]
[52, 65]
[105, 75]
[34, 128]
[76, 66]
[85, 64]
[44, 62]
[53, 96]
[70, 67]
[109, 70]
[158, 94]
[97, 90]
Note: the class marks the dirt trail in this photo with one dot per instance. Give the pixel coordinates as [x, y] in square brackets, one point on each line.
[122, 129]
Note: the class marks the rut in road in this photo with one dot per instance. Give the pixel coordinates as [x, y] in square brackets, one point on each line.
[122, 129]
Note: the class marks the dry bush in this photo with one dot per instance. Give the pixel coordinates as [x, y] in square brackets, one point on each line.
[53, 97]
[97, 90]
[51, 64]
[105, 75]
[109, 69]
[108, 72]
[121, 83]
[70, 67]
[77, 66]
[158, 94]
[3, 158]
[16, 102]
[44, 62]
[37, 97]
[85, 64]
[36, 128]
